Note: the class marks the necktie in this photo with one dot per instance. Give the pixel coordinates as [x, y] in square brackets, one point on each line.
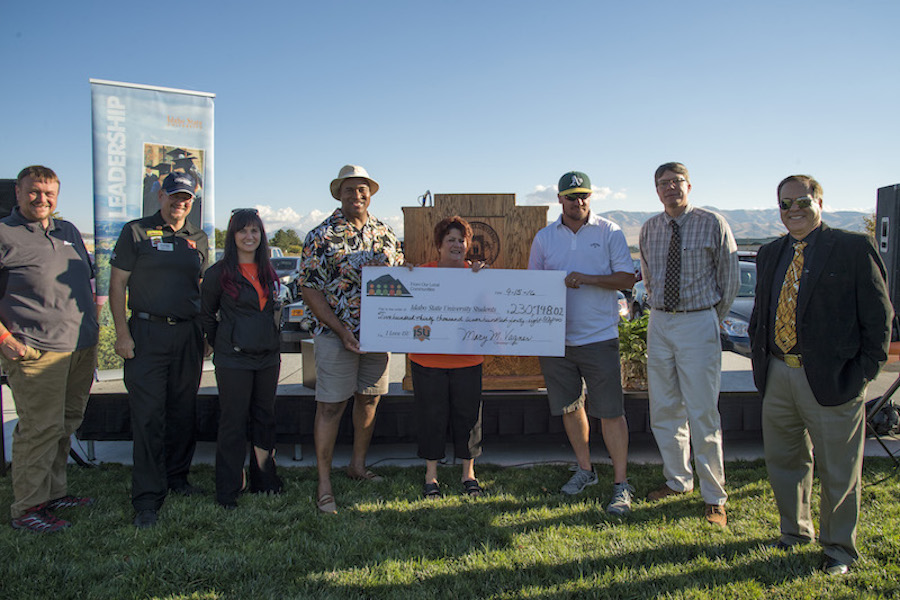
[786, 312]
[672, 287]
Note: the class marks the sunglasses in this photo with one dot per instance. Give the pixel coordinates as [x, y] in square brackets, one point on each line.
[235, 211]
[577, 196]
[801, 202]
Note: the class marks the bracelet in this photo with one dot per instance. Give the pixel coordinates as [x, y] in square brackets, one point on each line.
[4, 336]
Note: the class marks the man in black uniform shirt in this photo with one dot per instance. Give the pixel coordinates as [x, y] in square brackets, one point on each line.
[160, 259]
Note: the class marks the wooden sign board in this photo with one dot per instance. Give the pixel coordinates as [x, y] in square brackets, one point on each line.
[502, 234]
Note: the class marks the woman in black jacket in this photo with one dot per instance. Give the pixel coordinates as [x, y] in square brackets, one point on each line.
[238, 314]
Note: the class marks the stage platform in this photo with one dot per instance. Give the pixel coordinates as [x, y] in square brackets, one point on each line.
[518, 427]
[512, 416]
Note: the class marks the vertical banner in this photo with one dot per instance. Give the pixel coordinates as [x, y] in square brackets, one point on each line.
[141, 134]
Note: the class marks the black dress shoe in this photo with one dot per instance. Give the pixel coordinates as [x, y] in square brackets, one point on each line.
[834, 566]
[186, 489]
[144, 519]
[779, 545]
[782, 545]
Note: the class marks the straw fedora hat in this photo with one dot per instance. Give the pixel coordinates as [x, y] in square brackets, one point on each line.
[349, 172]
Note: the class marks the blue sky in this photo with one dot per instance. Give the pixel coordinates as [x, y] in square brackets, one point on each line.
[475, 96]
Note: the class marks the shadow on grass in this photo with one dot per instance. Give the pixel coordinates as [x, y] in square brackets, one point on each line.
[525, 539]
[628, 575]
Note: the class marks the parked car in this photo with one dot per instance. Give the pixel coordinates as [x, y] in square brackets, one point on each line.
[275, 252]
[288, 270]
[734, 328]
[636, 264]
[639, 302]
[295, 323]
[623, 306]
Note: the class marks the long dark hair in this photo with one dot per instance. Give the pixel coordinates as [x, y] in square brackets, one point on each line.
[231, 272]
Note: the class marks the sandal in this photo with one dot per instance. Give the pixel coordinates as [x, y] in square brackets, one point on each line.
[431, 491]
[472, 489]
[364, 476]
[326, 504]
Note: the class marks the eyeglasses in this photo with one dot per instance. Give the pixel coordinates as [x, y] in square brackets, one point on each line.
[577, 196]
[664, 183]
[235, 211]
[801, 202]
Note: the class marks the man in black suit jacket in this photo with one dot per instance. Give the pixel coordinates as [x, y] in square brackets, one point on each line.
[813, 381]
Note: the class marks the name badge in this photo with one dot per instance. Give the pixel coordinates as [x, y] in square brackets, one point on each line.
[165, 246]
[154, 232]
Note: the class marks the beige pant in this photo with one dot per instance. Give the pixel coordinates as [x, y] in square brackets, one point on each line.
[51, 390]
[684, 366]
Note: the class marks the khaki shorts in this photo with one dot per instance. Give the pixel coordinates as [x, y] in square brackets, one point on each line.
[340, 373]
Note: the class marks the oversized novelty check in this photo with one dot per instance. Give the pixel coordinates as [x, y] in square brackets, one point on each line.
[457, 311]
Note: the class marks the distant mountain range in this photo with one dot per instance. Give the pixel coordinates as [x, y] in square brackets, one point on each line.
[745, 224]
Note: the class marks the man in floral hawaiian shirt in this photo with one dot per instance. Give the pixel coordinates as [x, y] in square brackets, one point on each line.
[331, 282]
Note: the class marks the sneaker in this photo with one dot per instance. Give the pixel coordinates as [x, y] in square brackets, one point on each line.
[38, 520]
[69, 502]
[621, 499]
[715, 514]
[580, 480]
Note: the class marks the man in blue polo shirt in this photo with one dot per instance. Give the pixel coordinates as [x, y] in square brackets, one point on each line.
[48, 346]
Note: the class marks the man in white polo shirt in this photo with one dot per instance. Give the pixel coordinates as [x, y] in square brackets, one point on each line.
[594, 253]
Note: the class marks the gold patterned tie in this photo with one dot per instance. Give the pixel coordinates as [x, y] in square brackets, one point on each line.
[786, 312]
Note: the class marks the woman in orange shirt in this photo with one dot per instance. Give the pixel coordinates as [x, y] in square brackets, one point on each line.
[447, 387]
[238, 298]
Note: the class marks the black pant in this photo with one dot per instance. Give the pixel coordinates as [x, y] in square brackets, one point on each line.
[245, 397]
[448, 396]
[162, 381]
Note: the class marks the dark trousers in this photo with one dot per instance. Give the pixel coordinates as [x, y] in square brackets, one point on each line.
[448, 396]
[162, 381]
[246, 397]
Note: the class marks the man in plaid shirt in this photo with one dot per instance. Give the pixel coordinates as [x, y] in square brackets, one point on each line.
[690, 268]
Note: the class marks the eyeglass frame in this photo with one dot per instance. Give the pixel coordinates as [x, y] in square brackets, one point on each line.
[665, 183]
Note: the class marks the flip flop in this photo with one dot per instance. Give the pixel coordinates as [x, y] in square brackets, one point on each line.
[431, 491]
[366, 476]
[326, 504]
[472, 488]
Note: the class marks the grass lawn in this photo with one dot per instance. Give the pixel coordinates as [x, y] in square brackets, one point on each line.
[524, 540]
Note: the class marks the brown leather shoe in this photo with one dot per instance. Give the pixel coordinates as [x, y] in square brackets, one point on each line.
[715, 514]
[662, 492]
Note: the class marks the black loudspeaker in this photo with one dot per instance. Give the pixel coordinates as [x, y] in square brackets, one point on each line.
[7, 196]
[887, 237]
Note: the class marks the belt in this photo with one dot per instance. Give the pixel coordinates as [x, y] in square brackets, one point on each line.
[794, 361]
[159, 319]
[678, 312]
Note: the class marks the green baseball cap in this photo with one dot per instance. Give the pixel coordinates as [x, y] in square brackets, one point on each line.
[574, 182]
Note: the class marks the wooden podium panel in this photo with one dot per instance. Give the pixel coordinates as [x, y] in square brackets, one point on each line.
[502, 234]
